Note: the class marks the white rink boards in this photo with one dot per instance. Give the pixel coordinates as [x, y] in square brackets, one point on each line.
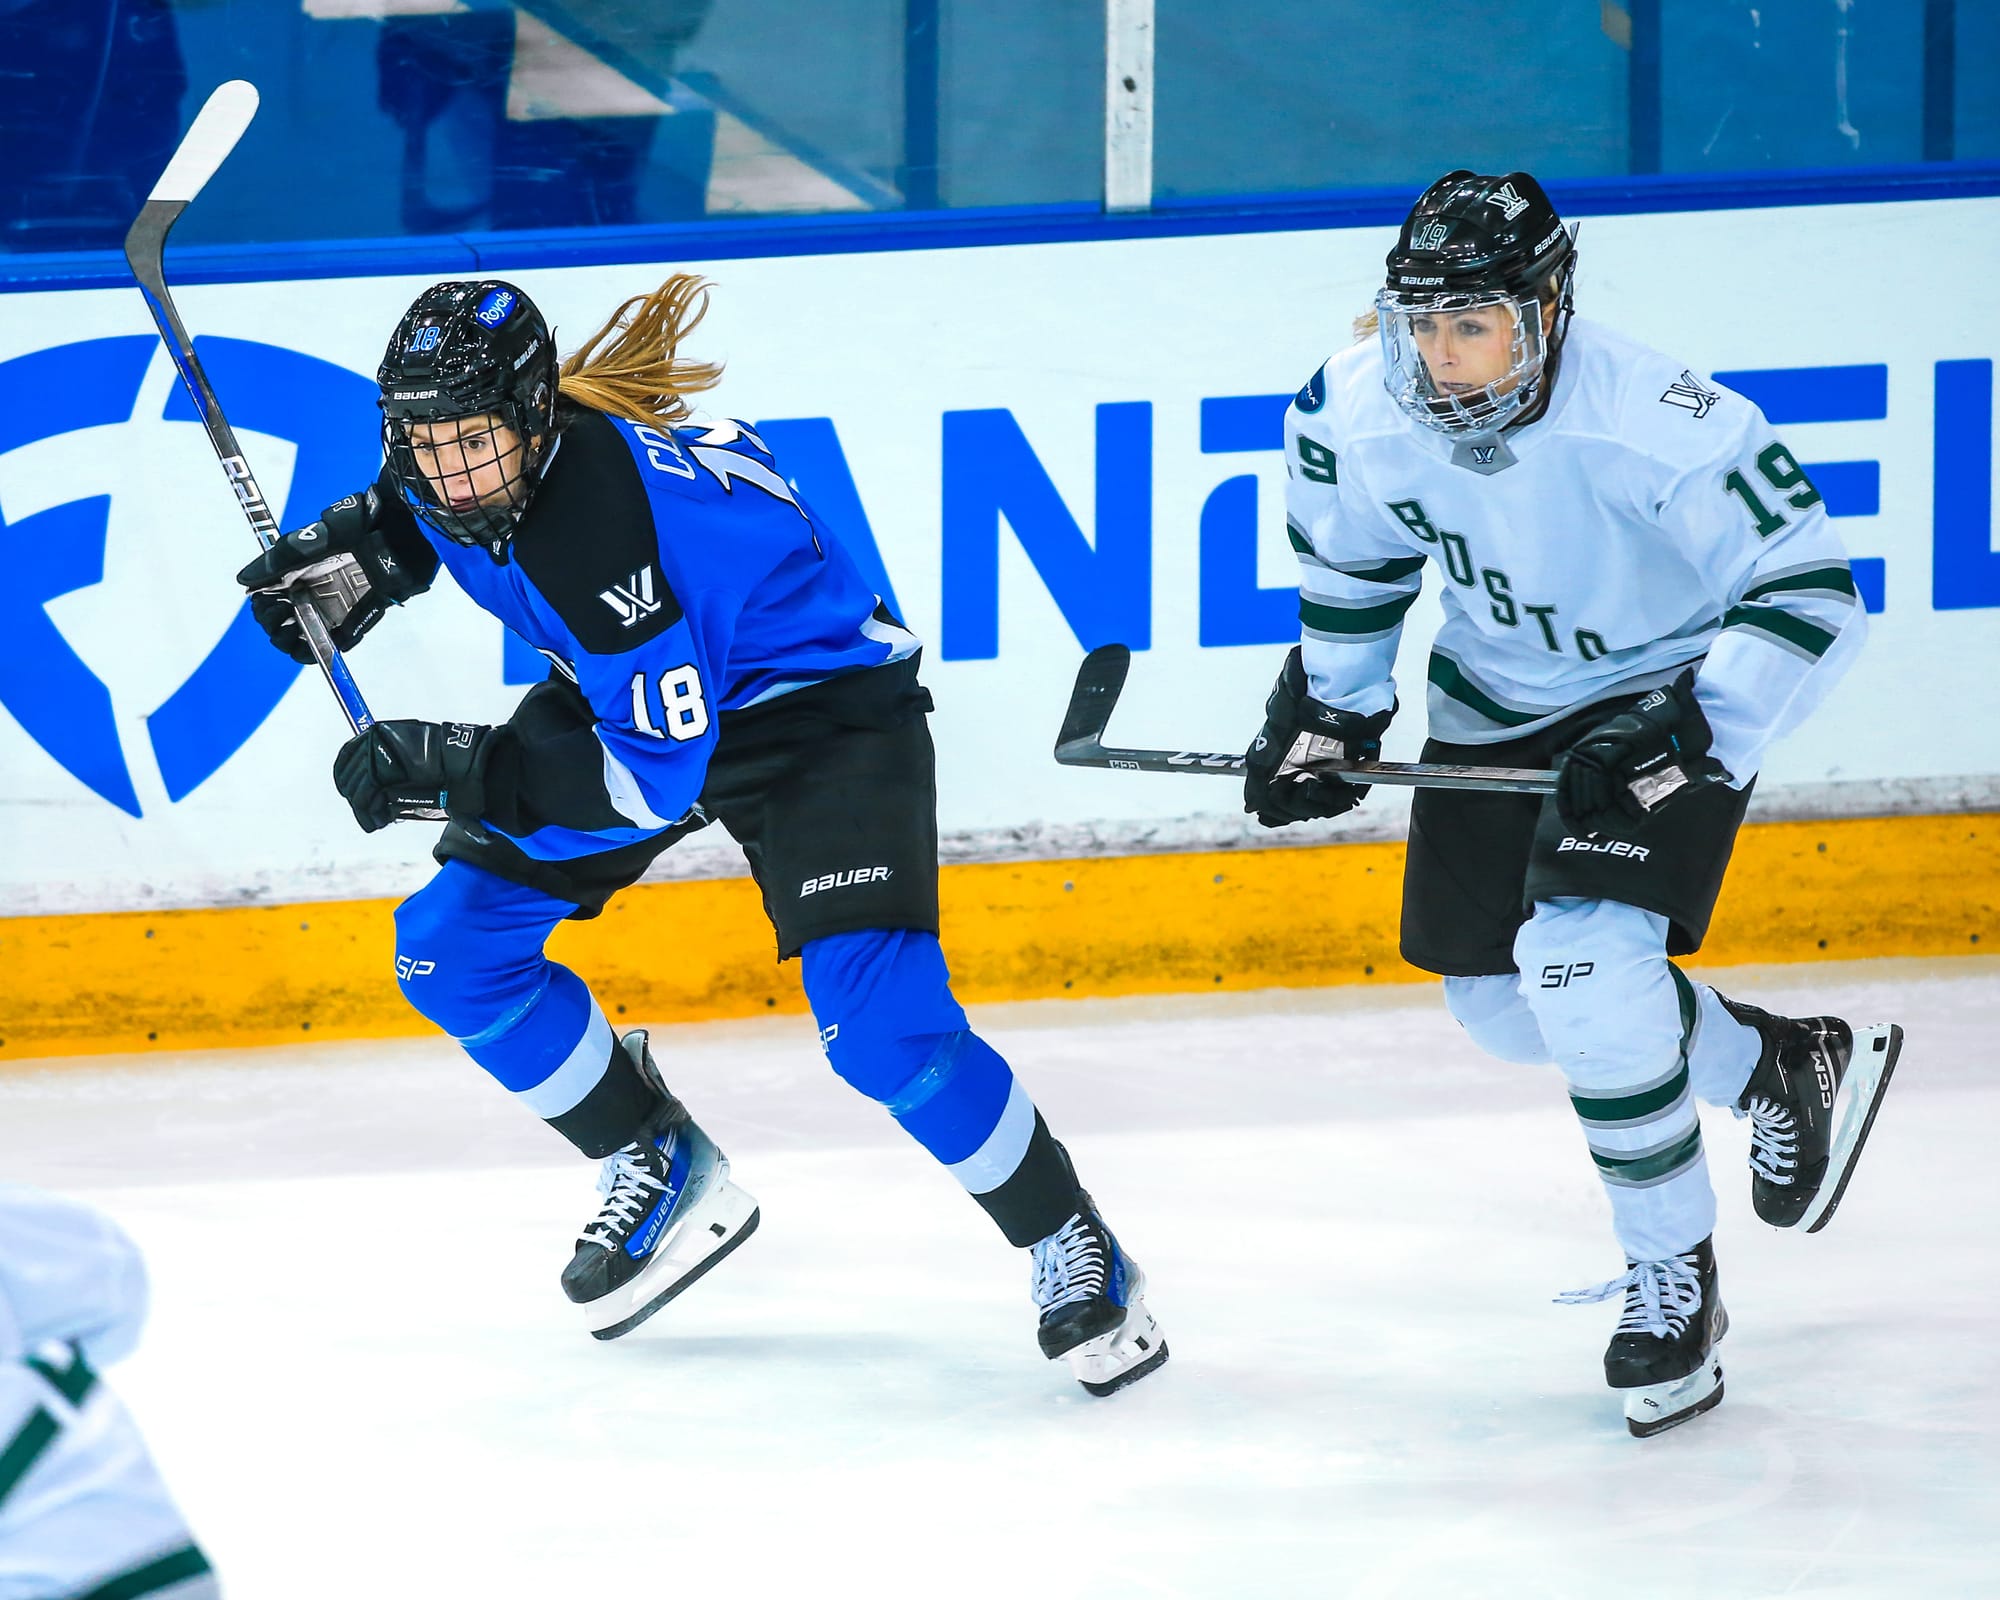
[1048, 446]
[362, 1378]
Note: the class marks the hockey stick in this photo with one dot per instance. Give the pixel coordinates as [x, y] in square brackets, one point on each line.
[1101, 678]
[217, 127]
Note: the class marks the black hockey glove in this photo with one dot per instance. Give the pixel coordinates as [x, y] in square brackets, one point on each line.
[350, 564]
[1627, 767]
[1277, 794]
[400, 771]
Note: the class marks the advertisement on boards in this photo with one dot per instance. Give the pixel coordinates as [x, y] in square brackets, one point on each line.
[1034, 449]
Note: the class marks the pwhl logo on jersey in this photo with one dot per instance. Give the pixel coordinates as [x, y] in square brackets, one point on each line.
[44, 684]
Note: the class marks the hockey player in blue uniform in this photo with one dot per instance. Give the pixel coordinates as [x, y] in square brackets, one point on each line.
[716, 656]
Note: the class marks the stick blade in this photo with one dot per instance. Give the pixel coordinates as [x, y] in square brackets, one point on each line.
[1099, 682]
[209, 139]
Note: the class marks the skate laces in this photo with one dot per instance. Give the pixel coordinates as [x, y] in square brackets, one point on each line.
[1071, 1264]
[1774, 1139]
[628, 1180]
[1660, 1296]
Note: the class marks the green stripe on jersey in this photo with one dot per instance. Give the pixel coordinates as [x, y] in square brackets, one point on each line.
[1445, 674]
[1300, 542]
[1832, 580]
[1394, 570]
[1808, 636]
[1358, 619]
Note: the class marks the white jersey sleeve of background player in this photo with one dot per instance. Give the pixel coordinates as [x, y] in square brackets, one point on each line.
[83, 1509]
[1357, 580]
[68, 1274]
[1736, 500]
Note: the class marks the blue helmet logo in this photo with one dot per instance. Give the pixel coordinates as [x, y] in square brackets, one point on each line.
[494, 309]
[44, 684]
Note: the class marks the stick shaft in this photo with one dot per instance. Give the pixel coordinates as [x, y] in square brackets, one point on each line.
[1101, 679]
[215, 131]
[1408, 774]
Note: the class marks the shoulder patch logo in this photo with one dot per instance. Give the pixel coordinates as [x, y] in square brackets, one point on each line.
[1430, 235]
[1511, 204]
[1689, 394]
[633, 599]
[1313, 395]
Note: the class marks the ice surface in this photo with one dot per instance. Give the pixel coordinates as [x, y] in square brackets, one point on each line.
[363, 1380]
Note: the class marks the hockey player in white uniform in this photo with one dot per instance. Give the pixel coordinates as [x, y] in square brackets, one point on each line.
[83, 1513]
[1641, 589]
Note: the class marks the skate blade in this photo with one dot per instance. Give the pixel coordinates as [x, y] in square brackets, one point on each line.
[723, 1219]
[1660, 1406]
[1868, 1069]
[1115, 1360]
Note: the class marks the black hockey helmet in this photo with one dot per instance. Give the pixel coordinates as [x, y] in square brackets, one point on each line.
[467, 350]
[1475, 239]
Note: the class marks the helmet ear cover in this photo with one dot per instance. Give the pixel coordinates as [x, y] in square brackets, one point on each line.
[466, 350]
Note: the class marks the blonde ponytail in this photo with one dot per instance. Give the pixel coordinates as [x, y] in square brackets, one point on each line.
[637, 375]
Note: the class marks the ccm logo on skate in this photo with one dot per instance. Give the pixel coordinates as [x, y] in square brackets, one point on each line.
[1558, 976]
[842, 880]
[408, 967]
[1605, 847]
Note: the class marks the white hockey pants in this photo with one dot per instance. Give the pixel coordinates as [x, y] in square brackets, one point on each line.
[1638, 1045]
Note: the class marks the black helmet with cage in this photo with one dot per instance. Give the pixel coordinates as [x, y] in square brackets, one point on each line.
[1473, 240]
[470, 350]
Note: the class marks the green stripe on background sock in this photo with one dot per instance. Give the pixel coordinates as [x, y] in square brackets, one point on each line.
[1636, 1170]
[175, 1567]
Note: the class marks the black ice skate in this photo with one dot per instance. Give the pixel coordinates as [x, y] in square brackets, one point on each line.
[1812, 1098]
[670, 1213]
[1093, 1306]
[1663, 1352]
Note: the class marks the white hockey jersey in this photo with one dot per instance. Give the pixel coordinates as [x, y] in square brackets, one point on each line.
[1648, 520]
[82, 1507]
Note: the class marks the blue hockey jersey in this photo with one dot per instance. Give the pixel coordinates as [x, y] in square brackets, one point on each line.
[673, 576]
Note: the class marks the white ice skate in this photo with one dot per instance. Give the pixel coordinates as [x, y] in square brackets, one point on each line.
[1093, 1304]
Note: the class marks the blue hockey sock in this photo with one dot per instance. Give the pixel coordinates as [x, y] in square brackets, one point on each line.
[891, 1028]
